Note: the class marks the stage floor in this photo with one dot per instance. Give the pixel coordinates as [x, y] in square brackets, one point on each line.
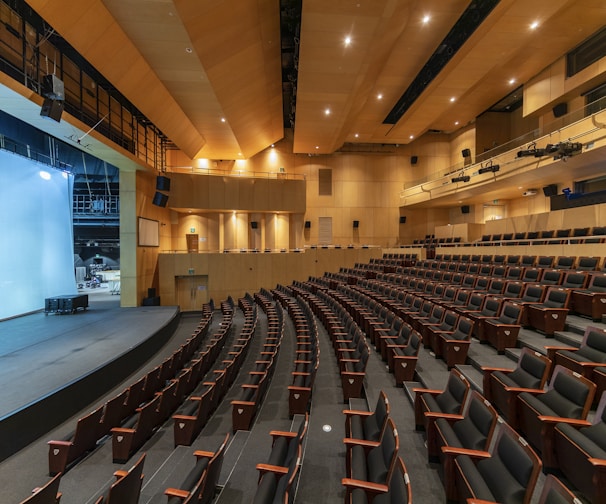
[40, 353]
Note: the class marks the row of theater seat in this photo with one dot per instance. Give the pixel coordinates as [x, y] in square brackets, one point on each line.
[193, 414]
[97, 424]
[245, 407]
[307, 352]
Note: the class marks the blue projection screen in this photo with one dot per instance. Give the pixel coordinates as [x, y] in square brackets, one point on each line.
[37, 252]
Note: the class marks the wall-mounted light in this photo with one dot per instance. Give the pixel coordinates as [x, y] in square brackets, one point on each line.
[461, 178]
[489, 168]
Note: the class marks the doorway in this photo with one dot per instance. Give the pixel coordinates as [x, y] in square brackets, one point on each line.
[192, 292]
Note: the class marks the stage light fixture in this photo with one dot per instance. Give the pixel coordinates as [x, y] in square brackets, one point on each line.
[491, 168]
[461, 178]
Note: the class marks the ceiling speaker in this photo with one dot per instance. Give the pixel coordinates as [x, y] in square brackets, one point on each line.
[52, 109]
[254, 224]
[560, 109]
[465, 209]
[466, 153]
[402, 219]
[550, 190]
[414, 160]
[356, 224]
[307, 224]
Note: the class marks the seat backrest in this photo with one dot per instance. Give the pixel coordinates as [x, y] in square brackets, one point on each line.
[588, 263]
[381, 461]
[127, 488]
[46, 494]
[491, 307]
[510, 313]
[462, 330]
[597, 282]
[400, 491]
[569, 395]
[532, 369]
[476, 428]
[552, 277]
[452, 399]
[378, 419]
[555, 492]
[574, 280]
[556, 298]
[513, 468]
[533, 293]
[205, 492]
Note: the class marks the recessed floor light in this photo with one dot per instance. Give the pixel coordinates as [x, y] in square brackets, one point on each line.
[327, 428]
[189, 50]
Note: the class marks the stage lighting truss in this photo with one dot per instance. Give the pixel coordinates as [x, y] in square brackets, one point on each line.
[489, 167]
[461, 178]
[562, 150]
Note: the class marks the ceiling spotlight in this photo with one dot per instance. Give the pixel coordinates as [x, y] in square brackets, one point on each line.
[327, 111]
[461, 178]
[347, 41]
[512, 81]
[452, 99]
[356, 135]
[456, 123]
[411, 137]
[317, 146]
[534, 25]
[426, 19]
[379, 96]
[223, 119]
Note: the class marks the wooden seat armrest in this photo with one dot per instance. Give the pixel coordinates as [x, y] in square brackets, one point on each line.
[195, 398]
[60, 443]
[203, 453]
[346, 350]
[299, 373]
[571, 421]
[272, 468]
[353, 373]
[360, 442]
[427, 391]
[243, 403]
[296, 388]
[462, 342]
[183, 417]
[302, 361]
[364, 485]
[522, 389]
[597, 462]
[176, 492]
[210, 383]
[124, 430]
[478, 501]
[120, 473]
[453, 450]
[256, 373]
[249, 386]
[451, 417]
[284, 434]
[556, 348]
[488, 369]
[348, 360]
[357, 412]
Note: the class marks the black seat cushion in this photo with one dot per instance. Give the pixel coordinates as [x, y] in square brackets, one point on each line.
[475, 479]
[585, 443]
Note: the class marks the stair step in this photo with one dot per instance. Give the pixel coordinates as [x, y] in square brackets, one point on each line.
[475, 377]
[485, 355]
[569, 338]
[408, 390]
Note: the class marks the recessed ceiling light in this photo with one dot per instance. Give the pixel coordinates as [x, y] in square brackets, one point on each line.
[426, 19]
[356, 135]
[347, 41]
[380, 96]
[327, 111]
[223, 119]
[317, 146]
[452, 98]
[411, 137]
[189, 50]
[534, 25]
[512, 81]
[456, 123]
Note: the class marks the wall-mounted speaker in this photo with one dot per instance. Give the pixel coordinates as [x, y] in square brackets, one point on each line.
[254, 224]
[356, 224]
[162, 183]
[160, 199]
[466, 153]
[414, 160]
[465, 209]
[307, 224]
[550, 190]
[52, 109]
[402, 219]
[560, 109]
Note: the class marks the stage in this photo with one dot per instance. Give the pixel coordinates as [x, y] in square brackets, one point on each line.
[52, 366]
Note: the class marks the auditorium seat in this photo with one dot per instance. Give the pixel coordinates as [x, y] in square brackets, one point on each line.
[579, 234]
[490, 309]
[565, 262]
[528, 261]
[402, 359]
[591, 302]
[453, 346]
[568, 396]
[506, 474]
[502, 332]
[127, 487]
[450, 400]
[373, 461]
[545, 261]
[598, 235]
[397, 491]
[276, 482]
[501, 386]
[532, 294]
[587, 263]
[368, 424]
[580, 453]
[583, 360]
[555, 492]
[451, 435]
[46, 494]
[550, 315]
[285, 444]
[62, 453]
[192, 416]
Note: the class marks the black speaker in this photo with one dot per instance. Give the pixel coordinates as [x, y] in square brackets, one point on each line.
[307, 224]
[466, 153]
[254, 224]
[151, 292]
[465, 209]
[560, 109]
[162, 184]
[550, 190]
[414, 160]
[402, 219]
[160, 199]
[52, 87]
[356, 224]
[52, 109]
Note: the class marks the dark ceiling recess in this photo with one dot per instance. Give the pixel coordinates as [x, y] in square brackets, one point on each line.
[472, 17]
[290, 32]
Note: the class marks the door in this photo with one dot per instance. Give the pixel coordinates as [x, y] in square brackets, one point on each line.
[192, 292]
